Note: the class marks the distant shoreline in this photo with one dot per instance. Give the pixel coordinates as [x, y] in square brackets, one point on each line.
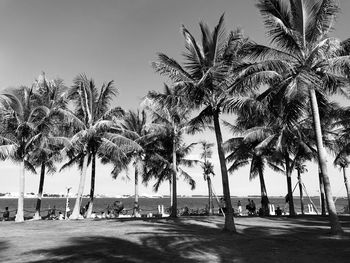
[148, 197]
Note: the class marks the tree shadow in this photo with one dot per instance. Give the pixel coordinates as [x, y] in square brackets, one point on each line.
[3, 245]
[186, 240]
[312, 220]
[105, 249]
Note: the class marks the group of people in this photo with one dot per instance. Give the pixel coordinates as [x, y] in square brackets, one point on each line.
[251, 207]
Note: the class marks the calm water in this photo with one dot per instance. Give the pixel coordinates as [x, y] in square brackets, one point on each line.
[148, 205]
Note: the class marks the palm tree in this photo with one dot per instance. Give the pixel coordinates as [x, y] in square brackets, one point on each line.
[331, 124]
[204, 80]
[173, 122]
[96, 133]
[136, 128]
[270, 134]
[159, 165]
[18, 133]
[208, 170]
[342, 149]
[313, 60]
[343, 163]
[48, 144]
[241, 153]
[301, 168]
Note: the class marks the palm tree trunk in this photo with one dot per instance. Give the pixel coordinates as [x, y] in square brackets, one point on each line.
[76, 211]
[264, 197]
[92, 187]
[301, 192]
[322, 195]
[322, 159]
[347, 184]
[171, 192]
[40, 192]
[136, 186]
[210, 194]
[135, 211]
[174, 177]
[289, 187]
[229, 221]
[20, 205]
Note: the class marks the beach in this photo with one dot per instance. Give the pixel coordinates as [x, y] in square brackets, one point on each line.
[150, 205]
[187, 239]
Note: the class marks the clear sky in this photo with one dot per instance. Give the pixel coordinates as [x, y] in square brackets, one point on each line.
[117, 40]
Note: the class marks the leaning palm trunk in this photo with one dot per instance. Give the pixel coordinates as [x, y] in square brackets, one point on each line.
[20, 206]
[347, 185]
[300, 183]
[334, 220]
[76, 211]
[174, 177]
[264, 197]
[92, 187]
[210, 196]
[229, 221]
[37, 215]
[289, 188]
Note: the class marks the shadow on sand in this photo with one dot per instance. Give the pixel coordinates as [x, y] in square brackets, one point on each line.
[198, 241]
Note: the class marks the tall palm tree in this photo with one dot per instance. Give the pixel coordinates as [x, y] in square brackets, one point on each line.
[342, 149]
[49, 94]
[270, 134]
[18, 133]
[208, 170]
[205, 80]
[96, 133]
[301, 168]
[343, 163]
[159, 165]
[241, 153]
[172, 121]
[300, 31]
[135, 127]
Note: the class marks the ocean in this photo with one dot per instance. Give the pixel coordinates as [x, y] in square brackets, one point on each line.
[150, 205]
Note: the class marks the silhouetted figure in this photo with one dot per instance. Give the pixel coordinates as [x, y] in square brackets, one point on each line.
[185, 211]
[223, 205]
[278, 211]
[6, 215]
[248, 207]
[118, 206]
[253, 207]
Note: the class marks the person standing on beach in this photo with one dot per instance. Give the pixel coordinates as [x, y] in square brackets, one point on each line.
[136, 210]
[6, 215]
[223, 205]
[239, 207]
[248, 206]
[253, 207]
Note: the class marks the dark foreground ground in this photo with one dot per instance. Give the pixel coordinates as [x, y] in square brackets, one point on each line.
[197, 239]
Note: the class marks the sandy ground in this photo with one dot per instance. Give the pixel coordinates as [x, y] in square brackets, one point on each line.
[191, 239]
